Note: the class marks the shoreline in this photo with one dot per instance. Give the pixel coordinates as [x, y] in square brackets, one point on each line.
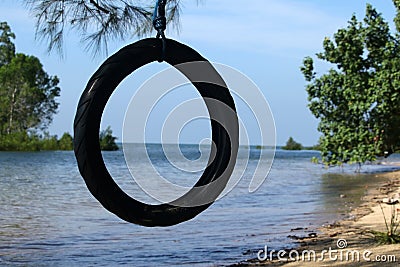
[349, 239]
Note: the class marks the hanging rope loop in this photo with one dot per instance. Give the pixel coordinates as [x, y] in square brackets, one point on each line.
[160, 24]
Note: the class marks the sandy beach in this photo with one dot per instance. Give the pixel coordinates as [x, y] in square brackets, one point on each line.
[348, 242]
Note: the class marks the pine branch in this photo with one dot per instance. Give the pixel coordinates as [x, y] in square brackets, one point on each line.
[97, 22]
[102, 9]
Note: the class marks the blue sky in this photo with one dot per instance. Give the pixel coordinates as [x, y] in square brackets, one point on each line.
[264, 39]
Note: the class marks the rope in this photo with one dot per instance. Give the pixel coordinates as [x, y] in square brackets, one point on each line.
[160, 24]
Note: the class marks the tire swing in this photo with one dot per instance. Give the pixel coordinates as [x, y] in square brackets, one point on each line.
[224, 126]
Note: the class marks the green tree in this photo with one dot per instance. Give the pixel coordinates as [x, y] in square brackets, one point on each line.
[7, 47]
[292, 145]
[107, 140]
[97, 21]
[65, 142]
[27, 93]
[358, 100]
[48, 142]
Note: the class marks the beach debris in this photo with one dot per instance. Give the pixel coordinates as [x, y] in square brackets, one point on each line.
[312, 235]
[390, 201]
[332, 225]
[295, 237]
[298, 229]
[394, 199]
[343, 196]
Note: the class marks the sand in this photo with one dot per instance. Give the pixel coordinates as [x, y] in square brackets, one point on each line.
[350, 241]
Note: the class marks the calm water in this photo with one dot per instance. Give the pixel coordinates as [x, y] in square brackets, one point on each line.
[49, 218]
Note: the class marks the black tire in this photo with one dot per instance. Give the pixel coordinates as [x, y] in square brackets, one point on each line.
[87, 125]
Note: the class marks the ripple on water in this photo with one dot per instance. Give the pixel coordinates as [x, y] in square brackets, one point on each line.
[48, 217]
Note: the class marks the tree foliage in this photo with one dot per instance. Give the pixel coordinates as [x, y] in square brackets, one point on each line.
[65, 142]
[358, 100]
[7, 47]
[107, 140]
[27, 93]
[291, 144]
[24, 141]
[97, 21]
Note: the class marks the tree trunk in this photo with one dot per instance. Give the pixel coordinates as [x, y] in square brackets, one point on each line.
[11, 117]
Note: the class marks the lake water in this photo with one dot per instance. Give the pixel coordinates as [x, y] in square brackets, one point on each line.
[49, 218]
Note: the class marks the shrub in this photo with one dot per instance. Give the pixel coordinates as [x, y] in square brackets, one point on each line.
[292, 145]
